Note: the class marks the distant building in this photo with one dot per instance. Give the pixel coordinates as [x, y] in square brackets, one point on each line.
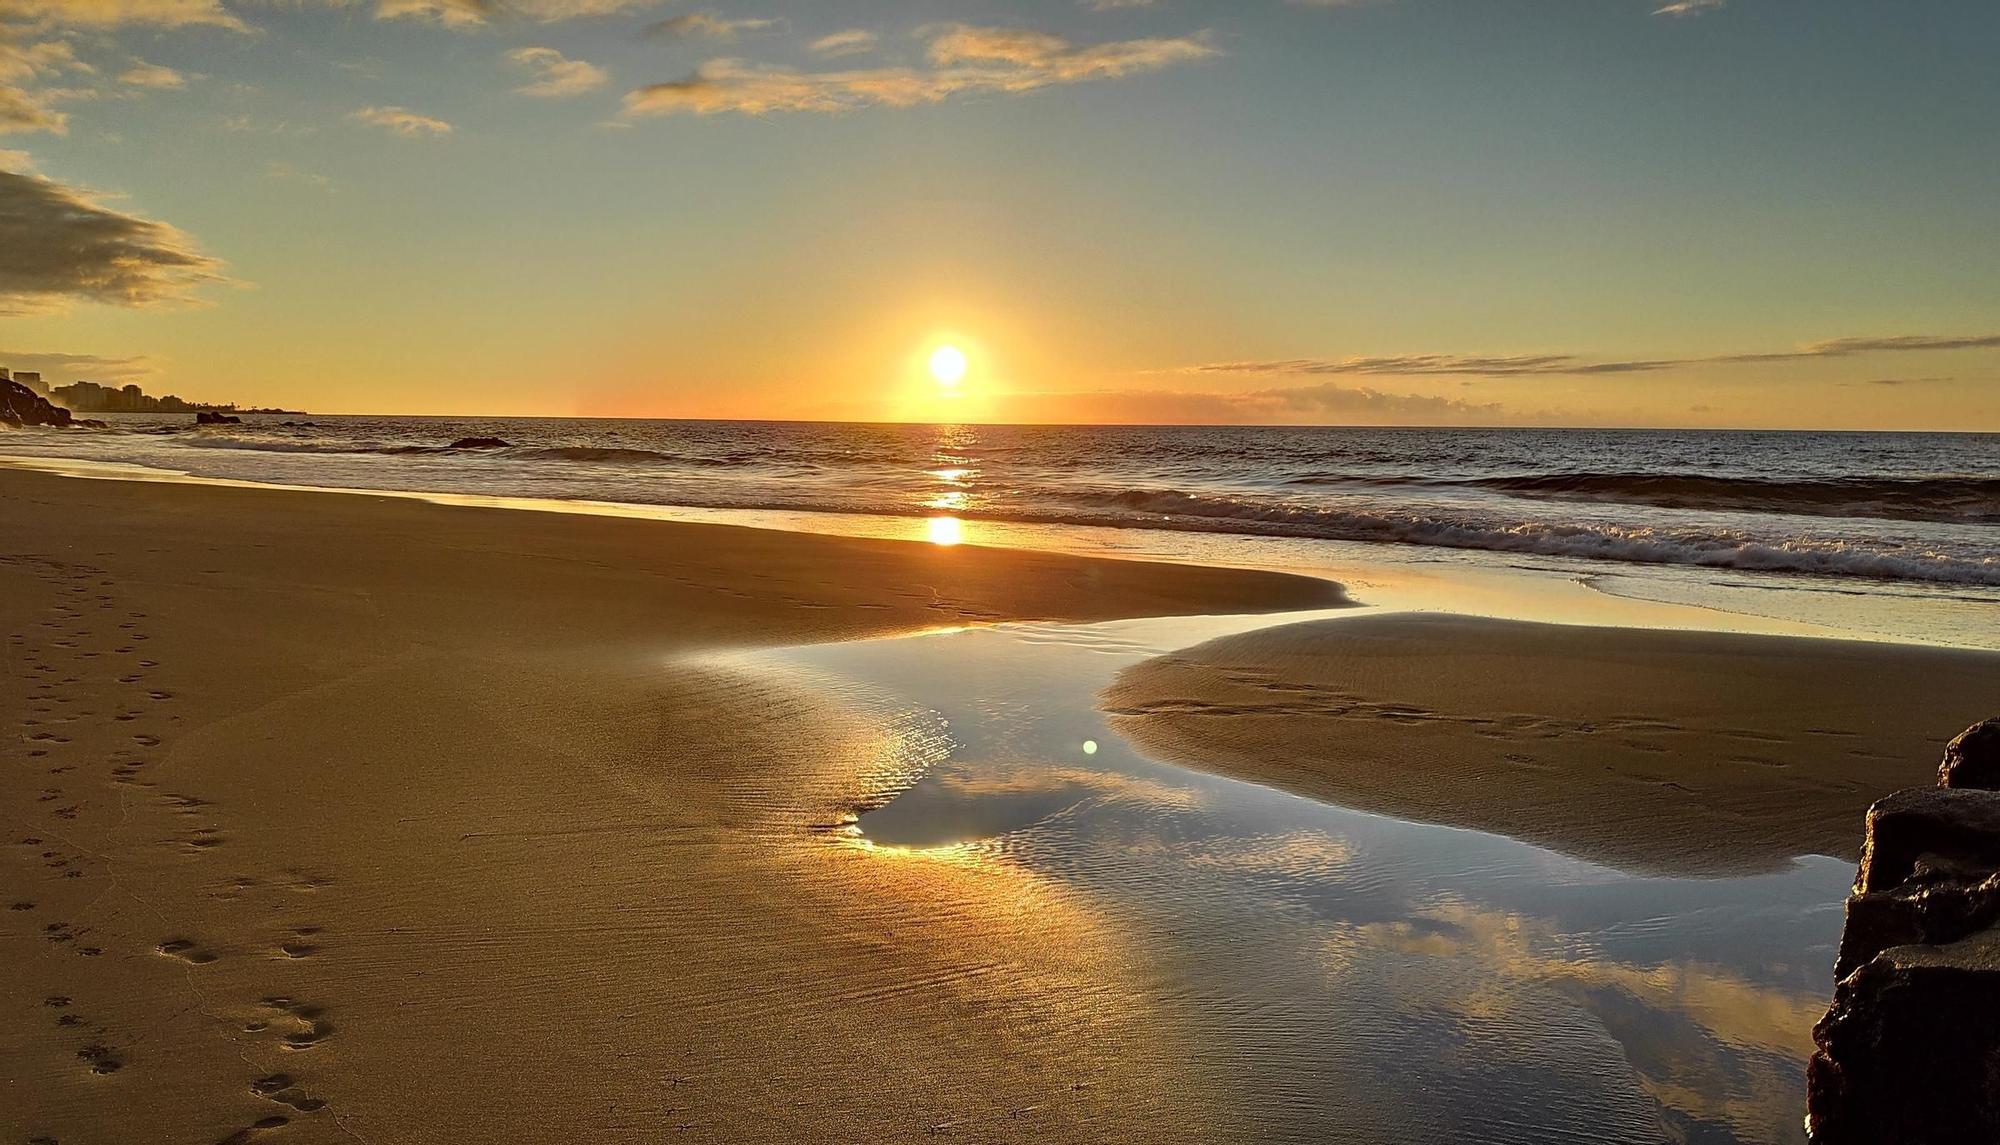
[89, 397]
[33, 380]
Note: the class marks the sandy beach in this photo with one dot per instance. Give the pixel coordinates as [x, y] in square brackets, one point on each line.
[1678, 753]
[364, 819]
[381, 821]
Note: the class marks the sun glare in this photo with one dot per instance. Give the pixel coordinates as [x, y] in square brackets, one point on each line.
[948, 366]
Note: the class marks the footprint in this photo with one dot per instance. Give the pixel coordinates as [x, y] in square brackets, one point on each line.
[185, 950]
[100, 1059]
[312, 1026]
[281, 1088]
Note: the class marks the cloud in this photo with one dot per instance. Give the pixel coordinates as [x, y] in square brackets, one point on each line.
[555, 75]
[852, 42]
[962, 60]
[1327, 401]
[143, 74]
[403, 121]
[22, 108]
[20, 63]
[61, 369]
[1687, 7]
[474, 13]
[451, 13]
[1571, 365]
[708, 25]
[114, 13]
[62, 244]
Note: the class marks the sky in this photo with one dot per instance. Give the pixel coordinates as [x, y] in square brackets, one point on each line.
[1753, 213]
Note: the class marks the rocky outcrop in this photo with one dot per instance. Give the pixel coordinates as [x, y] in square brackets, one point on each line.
[481, 443]
[1910, 1050]
[207, 418]
[20, 405]
[1973, 759]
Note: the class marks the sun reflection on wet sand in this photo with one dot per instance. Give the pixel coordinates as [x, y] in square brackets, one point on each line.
[944, 531]
[1460, 986]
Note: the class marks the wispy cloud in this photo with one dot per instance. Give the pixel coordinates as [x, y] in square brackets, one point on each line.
[1687, 7]
[711, 26]
[961, 60]
[22, 110]
[556, 76]
[852, 42]
[403, 121]
[24, 107]
[157, 76]
[61, 369]
[114, 13]
[1329, 401]
[1529, 365]
[62, 244]
[473, 13]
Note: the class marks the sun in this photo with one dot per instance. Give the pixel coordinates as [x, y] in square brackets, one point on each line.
[948, 366]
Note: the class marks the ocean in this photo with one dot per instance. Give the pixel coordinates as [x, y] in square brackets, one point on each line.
[1902, 514]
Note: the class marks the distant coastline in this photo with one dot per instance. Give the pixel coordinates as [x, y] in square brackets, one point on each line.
[90, 397]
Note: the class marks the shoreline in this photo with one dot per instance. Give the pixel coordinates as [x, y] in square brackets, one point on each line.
[1393, 576]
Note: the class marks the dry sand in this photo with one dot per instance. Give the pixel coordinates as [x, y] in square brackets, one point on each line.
[1682, 753]
[342, 818]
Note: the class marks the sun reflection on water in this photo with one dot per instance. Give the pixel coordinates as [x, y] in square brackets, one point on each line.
[944, 530]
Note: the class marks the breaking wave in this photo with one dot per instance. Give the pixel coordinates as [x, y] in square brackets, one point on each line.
[1172, 509]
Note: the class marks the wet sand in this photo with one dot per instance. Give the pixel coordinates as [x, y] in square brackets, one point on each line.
[339, 818]
[1675, 753]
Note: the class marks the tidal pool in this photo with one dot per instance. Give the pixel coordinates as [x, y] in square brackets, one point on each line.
[1352, 977]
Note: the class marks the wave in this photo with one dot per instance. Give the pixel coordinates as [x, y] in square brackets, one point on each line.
[615, 455]
[576, 454]
[1173, 509]
[1948, 500]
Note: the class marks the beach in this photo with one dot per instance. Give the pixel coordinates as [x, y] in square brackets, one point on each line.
[1679, 753]
[341, 817]
[406, 814]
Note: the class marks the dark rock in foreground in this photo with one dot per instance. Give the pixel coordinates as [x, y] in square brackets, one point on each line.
[481, 443]
[1909, 1053]
[20, 405]
[1973, 759]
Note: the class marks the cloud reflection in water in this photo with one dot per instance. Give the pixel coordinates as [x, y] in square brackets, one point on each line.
[1352, 977]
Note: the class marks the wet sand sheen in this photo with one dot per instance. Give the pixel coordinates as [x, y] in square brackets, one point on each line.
[1679, 753]
[331, 818]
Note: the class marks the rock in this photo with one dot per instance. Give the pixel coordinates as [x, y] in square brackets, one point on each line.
[20, 405]
[1973, 759]
[1952, 831]
[481, 443]
[207, 418]
[1909, 1052]
[90, 423]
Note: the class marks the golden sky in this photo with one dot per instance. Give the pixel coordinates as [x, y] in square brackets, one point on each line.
[1593, 212]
